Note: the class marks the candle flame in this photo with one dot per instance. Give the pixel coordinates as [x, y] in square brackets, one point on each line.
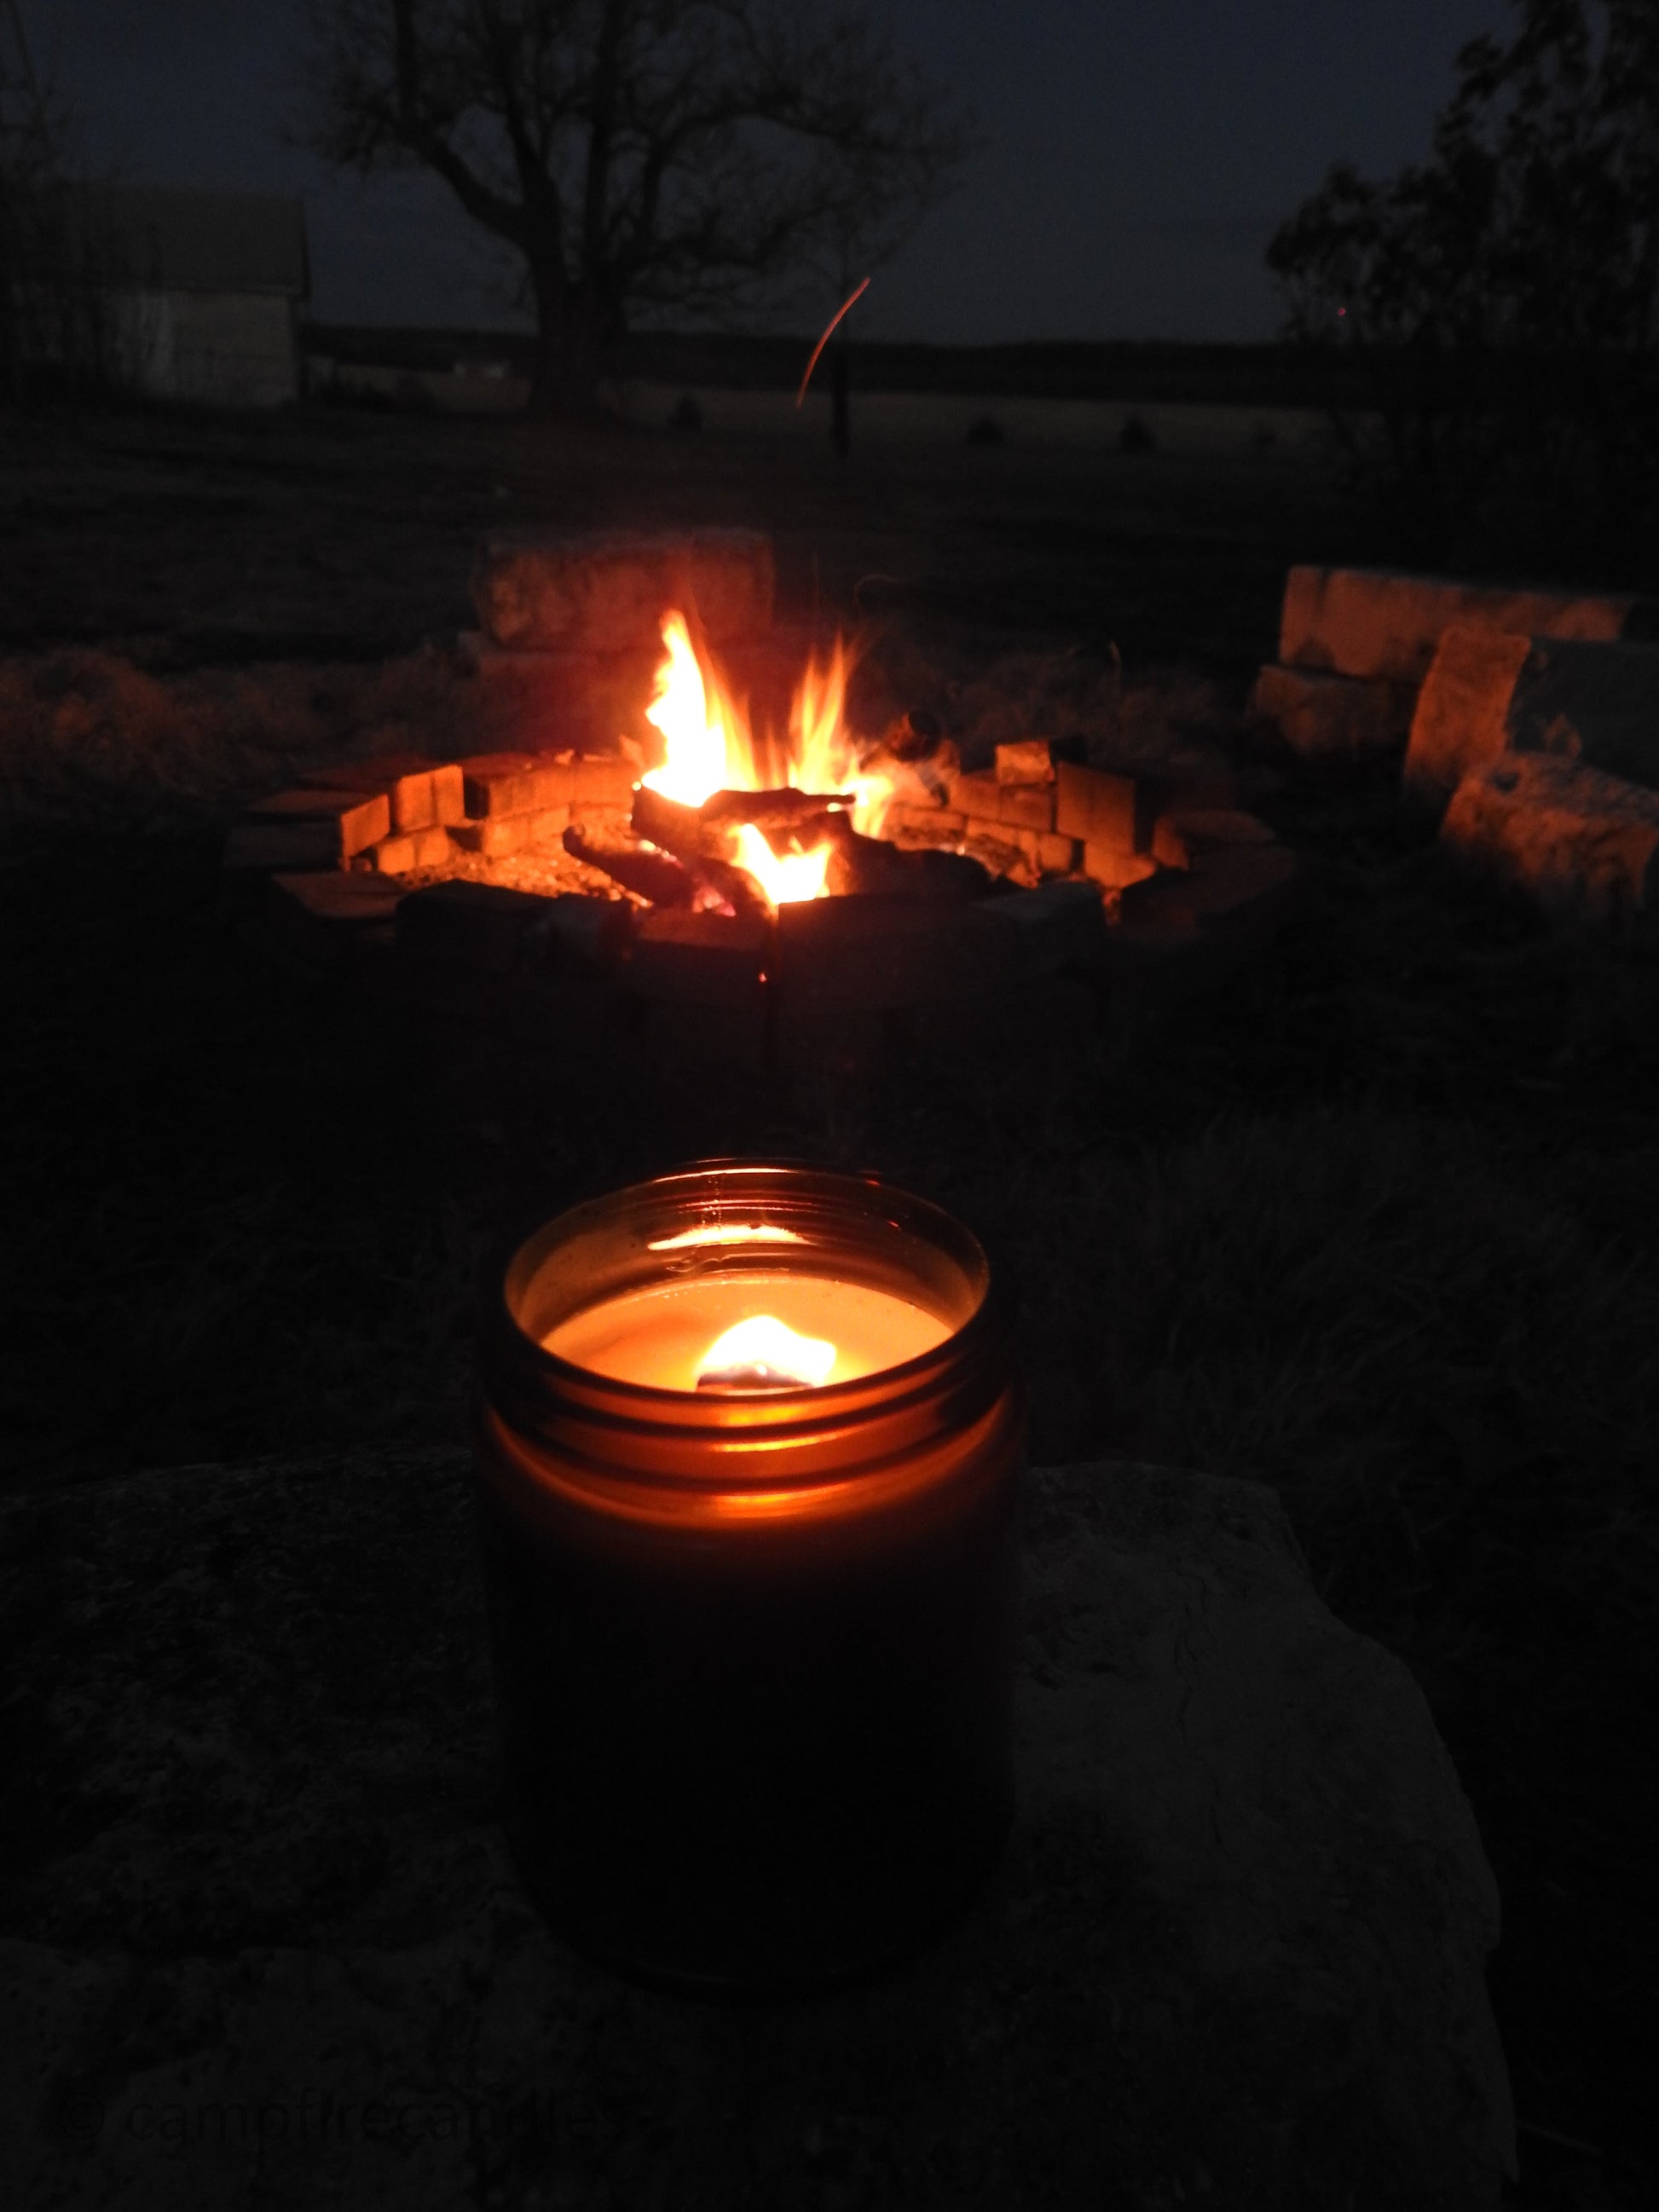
[763, 1353]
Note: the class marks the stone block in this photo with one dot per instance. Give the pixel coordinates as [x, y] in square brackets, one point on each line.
[1583, 844]
[1187, 830]
[1486, 696]
[607, 591]
[516, 783]
[1056, 926]
[1027, 807]
[1237, 1942]
[884, 953]
[603, 780]
[1056, 855]
[1461, 718]
[351, 820]
[1028, 761]
[419, 791]
[1114, 869]
[1325, 717]
[698, 959]
[1378, 623]
[392, 856]
[1096, 806]
[499, 835]
[461, 924]
[315, 913]
[978, 796]
[432, 846]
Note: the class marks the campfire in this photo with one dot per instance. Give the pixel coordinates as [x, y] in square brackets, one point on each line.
[738, 823]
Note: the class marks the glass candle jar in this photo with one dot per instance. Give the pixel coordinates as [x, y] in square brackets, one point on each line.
[752, 1631]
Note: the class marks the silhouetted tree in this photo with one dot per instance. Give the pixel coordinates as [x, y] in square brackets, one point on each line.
[638, 156]
[1505, 291]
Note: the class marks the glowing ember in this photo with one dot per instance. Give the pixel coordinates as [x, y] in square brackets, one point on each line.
[709, 747]
[762, 1354]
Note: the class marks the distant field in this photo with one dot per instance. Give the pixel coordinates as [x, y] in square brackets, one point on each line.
[885, 418]
[946, 418]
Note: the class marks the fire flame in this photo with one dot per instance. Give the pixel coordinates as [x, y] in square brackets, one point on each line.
[710, 747]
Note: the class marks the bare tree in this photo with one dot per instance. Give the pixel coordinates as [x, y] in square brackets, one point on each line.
[691, 156]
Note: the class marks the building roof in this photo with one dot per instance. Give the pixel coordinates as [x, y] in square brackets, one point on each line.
[201, 241]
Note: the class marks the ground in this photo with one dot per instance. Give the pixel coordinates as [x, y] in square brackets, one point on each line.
[1379, 1227]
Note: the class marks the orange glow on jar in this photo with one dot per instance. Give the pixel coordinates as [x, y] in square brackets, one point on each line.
[753, 1640]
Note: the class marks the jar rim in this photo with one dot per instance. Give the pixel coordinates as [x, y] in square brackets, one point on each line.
[538, 1389]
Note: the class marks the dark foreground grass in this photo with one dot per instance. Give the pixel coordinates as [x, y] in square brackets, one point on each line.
[1378, 1228]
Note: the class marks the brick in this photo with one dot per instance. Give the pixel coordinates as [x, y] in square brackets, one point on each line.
[499, 835]
[448, 794]
[410, 784]
[354, 819]
[432, 846]
[1178, 835]
[1028, 761]
[1056, 926]
[608, 824]
[978, 796]
[1113, 870]
[603, 780]
[1378, 623]
[698, 959]
[466, 925]
[1057, 855]
[1585, 845]
[317, 913]
[606, 591]
[1094, 805]
[515, 783]
[1026, 806]
[1323, 717]
[1485, 696]
[391, 856]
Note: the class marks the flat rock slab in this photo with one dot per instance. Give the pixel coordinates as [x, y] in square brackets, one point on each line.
[1486, 696]
[1584, 846]
[263, 1947]
[1325, 717]
[1380, 623]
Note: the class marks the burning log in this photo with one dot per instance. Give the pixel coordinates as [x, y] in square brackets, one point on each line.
[788, 810]
[678, 829]
[700, 850]
[655, 875]
[871, 863]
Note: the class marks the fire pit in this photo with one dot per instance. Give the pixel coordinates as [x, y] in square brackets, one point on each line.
[771, 881]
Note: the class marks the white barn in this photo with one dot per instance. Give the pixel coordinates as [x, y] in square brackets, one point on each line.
[205, 290]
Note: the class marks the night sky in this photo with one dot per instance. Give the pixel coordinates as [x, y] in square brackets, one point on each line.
[1138, 156]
